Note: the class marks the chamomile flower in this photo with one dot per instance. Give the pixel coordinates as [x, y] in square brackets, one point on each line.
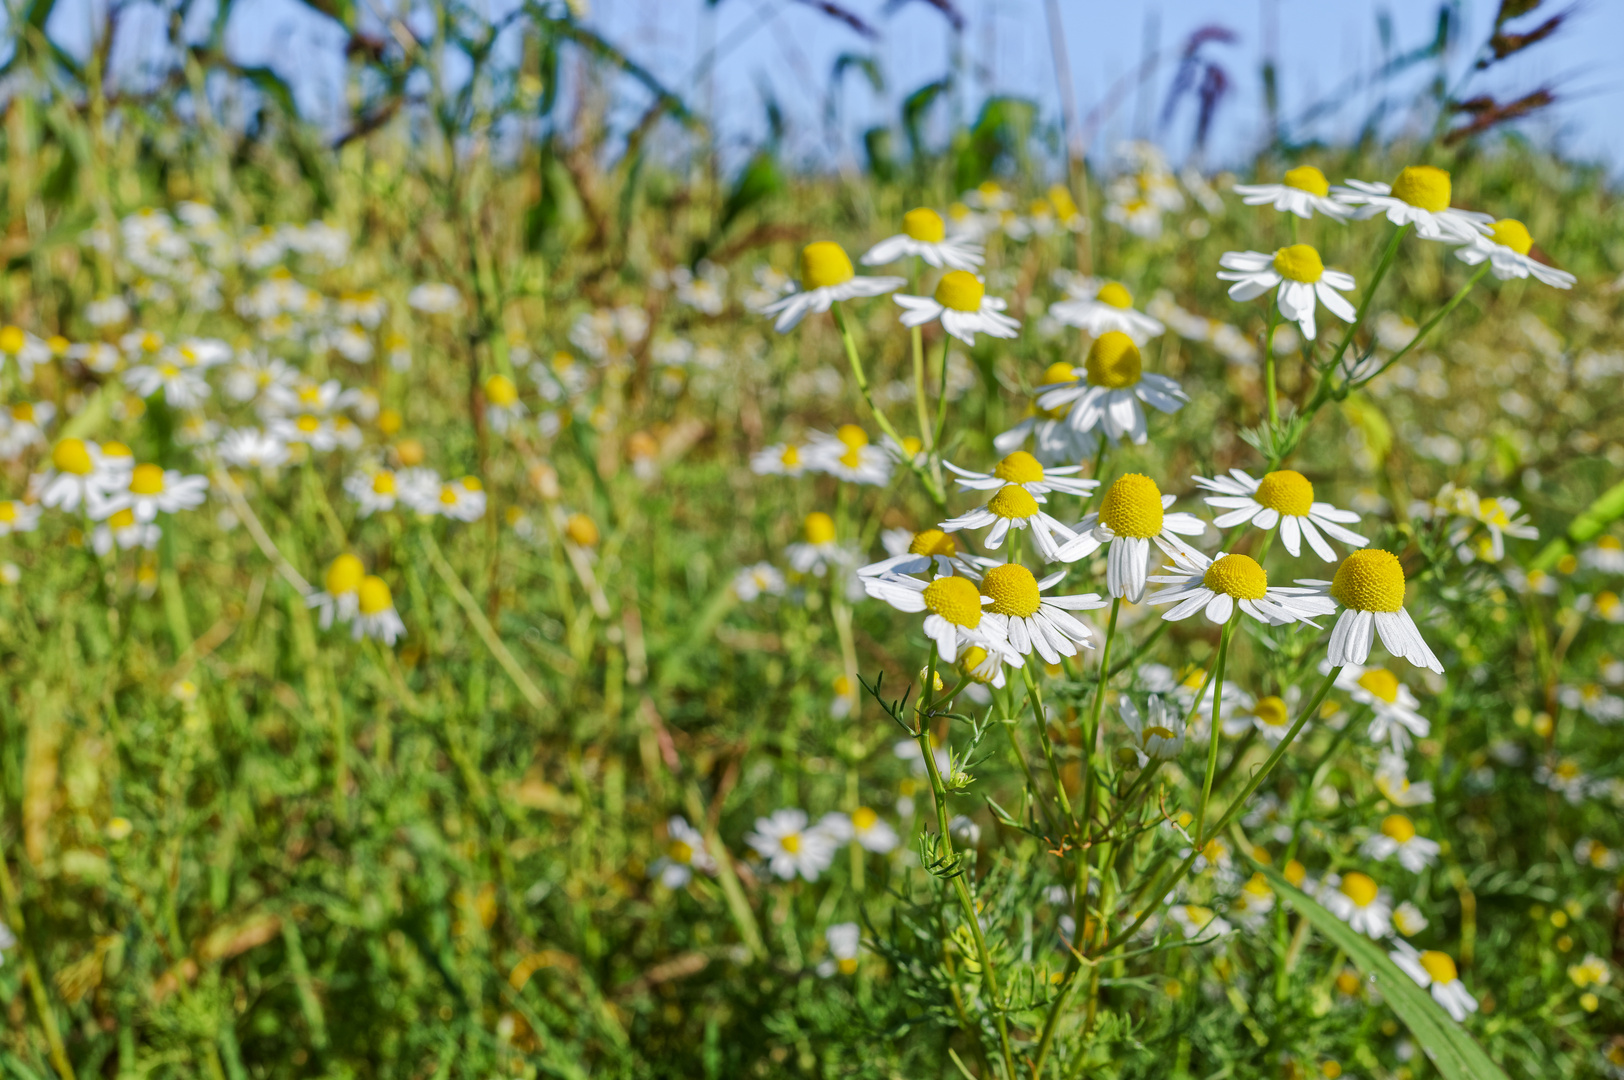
[1396, 717]
[317, 432]
[152, 490]
[1499, 517]
[963, 306]
[955, 618]
[1369, 584]
[1025, 471]
[1436, 972]
[375, 490]
[1593, 701]
[684, 853]
[818, 551]
[762, 579]
[1106, 395]
[1392, 778]
[1270, 715]
[459, 500]
[1591, 971]
[1607, 555]
[1226, 581]
[183, 385]
[982, 669]
[1409, 919]
[1299, 277]
[18, 517]
[1157, 734]
[1505, 247]
[375, 615]
[23, 349]
[24, 426]
[1284, 498]
[1398, 837]
[1011, 507]
[1357, 900]
[915, 552]
[872, 832]
[1132, 515]
[1018, 610]
[123, 532]
[1254, 901]
[845, 942]
[251, 448]
[502, 405]
[1199, 922]
[340, 598]
[1420, 197]
[254, 374]
[791, 848]
[780, 459]
[1053, 440]
[434, 298]
[80, 471]
[848, 455]
[924, 234]
[827, 277]
[1302, 191]
[1103, 309]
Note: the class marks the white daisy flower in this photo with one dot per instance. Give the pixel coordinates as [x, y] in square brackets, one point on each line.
[1219, 584]
[845, 943]
[251, 448]
[340, 597]
[375, 490]
[24, 427]
[1302, 191]
[924, 234]
[1053, 440]
[1269, 715]
[1017, 608]
[1105, 395]
[963, 306]
[459, 500]
[307, 396]
[1499, 517]
[1199, 922]
[1253, 902]
[1420, 197]
[1012, 508]
[1607, 555]
[827, 277]
[1357, 900]
[1157, 734]
[789, 847]
[124, 533]
[1101, 310]
[375, 615]
[955, 620]
[184, 387]
[913, 553]
[1392, 777]
[982, 669]
[849, 456]
[1436, 972]
[1506, 248]
[1026, 472]
[780, 459]
[317, 432]
[1369, 584]
[434, 298]
[80, 471]
[1300, 278]
[26, 350]
[1593, 701]
[1409, 920]
[152, 490]
[684, 853]
[1398, 837]
[1132, 515]
[1396, 717]
[762, 579]
[872, 832]
[18, 517]
[819, 551]
[502, 405]
[1284, 498]
[254, 374]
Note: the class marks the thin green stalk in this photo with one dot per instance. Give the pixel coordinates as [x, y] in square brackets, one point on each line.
[487, 633]
[932, 488]
[1430, 324]
[1382, 267]
[1268, 364]
[1215, 726]
[1036, 700]
[31, 974]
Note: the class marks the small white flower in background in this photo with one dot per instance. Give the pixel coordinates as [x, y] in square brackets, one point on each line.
[962, 305]
[122, 532]
[1302, 191]
[1357, 900]
[1606, 555]
[105, 311]
[1270, 715]
[872, 832]
[1392, 777]
[827, 277]
[1132, 515]
[1300, 277]
[340, 598]
[1157, 736]
[1564, 777]
[23, 349]
[1592, 700]
[780, 459]
[460, 500]
[819, 551]
[845, 943]
[183, 387]
[1435, 971]
[1396, 717]
[1420, 197]
[1054, 442]
[376, 616]
[762, 579]
[770, 286]
[1498, 517]
[848, 455]
[375, 490]
[1408, 919]
[1199, 922]
[18, 517]
[1254, 901]
[684, 853]
[1220, 584]
[251, 448]
[924, 234]
[791, 848]
[705, 291]
[502, 405]
[434, 298]
[1369, 584]
[1591, 971]
[1100, 308]
[152, 490]
[1284, 498]
[1398, 837]
[1595, 854]
[23, 426]
[1105, 395]
[964, 831]
[1506, 248]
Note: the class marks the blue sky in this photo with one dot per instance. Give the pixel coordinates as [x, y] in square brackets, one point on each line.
[787, 49]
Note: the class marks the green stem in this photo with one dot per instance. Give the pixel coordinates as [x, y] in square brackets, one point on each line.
[1036, 700]
[932, 488]
[1268, 364]
[1215, 726]
[1427, 328]
[1364, 302]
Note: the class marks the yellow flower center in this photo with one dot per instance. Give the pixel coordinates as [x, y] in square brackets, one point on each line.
[1512, 234]
[1159, 732]
[960, 291]
[122, 520]
[1132, 507]
[1369, 580]
[383, 483]
[1115, 295]
[581, 530]
[151, 342]
[344, 575]
[1423, 186]
[23, 414]
[852, 435]
[823, 264]
[1013, 501]
[8, 512]
[956, 600]
[933, 542]
[819, 528]
[911, 445]
[1013, 589]
[791, 456]
[500, 391]
[1493, 513]
[679, 852]
[925, 225]
[1287, 492]
[1258, 885]
[1058, 372]
[307, 424]
[1113, 361]
[375, 596]
[1610, 543]
[1309, 179]
[1439, 966]
[471, 483]
[71, 456]
[12, 339]
[1398, 827]
[1019, 468]
[1295, 872]
[847, 965]
[972, 658]
[790, 843]
[116, 450]
[1360, 888]
[989, 189]
[1237, 575]
[1271, 710]
[1299, 262]
[863, 819]
[1382, 683]
[448, 495]
[147, 480]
